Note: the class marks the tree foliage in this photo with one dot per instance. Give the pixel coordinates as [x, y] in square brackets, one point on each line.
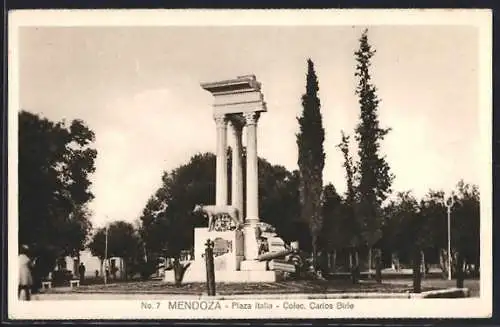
[123, 241]
[167, 219]
[374, 174]
[55, 162]
[311, 158]
[403, 226]
[352, 230]
[279, 200]
[423, 224]
[465, 224]
[334, 235]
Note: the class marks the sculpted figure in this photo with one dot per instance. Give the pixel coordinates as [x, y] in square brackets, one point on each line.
[212, 212]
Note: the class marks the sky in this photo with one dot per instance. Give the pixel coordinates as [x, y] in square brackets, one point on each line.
[138, 89]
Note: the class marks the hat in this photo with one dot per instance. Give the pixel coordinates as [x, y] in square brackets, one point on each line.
[24, 249]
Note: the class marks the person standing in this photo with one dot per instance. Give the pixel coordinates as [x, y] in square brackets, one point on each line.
[81, 272]
[25, 276]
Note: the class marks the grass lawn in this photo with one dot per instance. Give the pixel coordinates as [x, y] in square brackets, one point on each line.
[283, 287]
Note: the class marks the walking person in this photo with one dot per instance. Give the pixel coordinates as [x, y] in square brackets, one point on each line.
[25, 275]
[81, 272]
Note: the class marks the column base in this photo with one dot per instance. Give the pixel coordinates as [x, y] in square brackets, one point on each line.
[250, 241]
[252, 221]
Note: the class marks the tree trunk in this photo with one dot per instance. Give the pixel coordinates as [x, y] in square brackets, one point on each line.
[370, 262]
[124, 270]
[100, 267]
[355, 267]
[422, 263]
[378, 268]
[314, 256]
[459, 270]
[443, 261]
[334, 259]
[417, 276]
[378, 263]
[177, 267]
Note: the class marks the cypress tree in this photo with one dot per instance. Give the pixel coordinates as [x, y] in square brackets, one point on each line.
[311, 158]
[375, 178]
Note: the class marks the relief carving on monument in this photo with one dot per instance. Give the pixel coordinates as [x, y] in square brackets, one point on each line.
[222, 246]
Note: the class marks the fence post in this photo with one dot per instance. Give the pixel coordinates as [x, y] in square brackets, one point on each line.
[209, 260]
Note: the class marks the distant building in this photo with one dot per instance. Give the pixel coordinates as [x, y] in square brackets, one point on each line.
[93, 264]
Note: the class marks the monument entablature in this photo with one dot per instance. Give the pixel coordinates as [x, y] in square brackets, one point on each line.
[239, 95]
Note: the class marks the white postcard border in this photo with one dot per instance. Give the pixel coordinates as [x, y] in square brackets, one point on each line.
[365, 308]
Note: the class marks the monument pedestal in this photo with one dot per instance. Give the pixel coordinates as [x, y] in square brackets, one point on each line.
[198, 275]
[253, 265]
[229, 263]
[228, 248]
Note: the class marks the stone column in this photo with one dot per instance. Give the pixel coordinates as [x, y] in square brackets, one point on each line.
[252, 208]
[237, 170]
[221, 159]
[252, 216]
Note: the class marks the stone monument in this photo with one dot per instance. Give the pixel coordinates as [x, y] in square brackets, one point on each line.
[238, 104]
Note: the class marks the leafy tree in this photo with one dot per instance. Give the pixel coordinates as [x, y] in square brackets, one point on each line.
[433, 213]
[333, 234]
[279, 200]
[465, 222]
[413, 228]
[410, 237]
[123, 242]
[352, 227]
[311, 158]
[151, 228]
[400, 228]
[374, 174]
[55, 162]
[410, 224]
[167, 220]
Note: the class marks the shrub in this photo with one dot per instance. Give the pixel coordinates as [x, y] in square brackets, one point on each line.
[146, 269]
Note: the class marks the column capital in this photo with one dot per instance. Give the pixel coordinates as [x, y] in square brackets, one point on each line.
[220, 120]
[251, 118]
